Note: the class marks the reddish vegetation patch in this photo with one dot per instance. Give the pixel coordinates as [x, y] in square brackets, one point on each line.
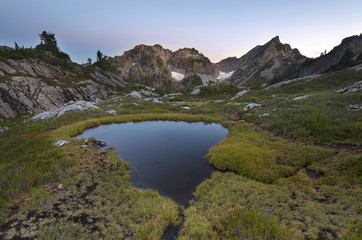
[33, 133]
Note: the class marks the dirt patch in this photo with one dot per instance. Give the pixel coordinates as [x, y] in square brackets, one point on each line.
[313, 175]
[170, 233]
[348, 147]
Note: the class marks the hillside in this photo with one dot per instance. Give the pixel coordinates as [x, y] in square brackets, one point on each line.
[34, 80]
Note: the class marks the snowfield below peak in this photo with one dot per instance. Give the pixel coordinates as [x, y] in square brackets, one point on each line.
[224, 75]
[177, 76]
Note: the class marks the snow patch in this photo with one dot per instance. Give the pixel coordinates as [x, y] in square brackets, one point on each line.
[263, 115]
[224, 75]
[177, 76]
[112, 112]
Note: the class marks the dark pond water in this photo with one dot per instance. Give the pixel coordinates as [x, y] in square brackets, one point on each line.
[164, 155]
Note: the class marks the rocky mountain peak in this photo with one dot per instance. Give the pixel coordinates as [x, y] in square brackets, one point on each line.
[158, 66]
[187, 52]
[264, 63]
[275, 40]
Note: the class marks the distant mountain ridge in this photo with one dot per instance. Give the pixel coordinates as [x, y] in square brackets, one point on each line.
[35, 80]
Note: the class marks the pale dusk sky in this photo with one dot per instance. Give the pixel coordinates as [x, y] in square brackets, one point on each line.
[218, 29]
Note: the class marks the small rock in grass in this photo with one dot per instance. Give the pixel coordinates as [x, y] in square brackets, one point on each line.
[112, 112]
[355, 107]
[195, 91]
[60, 186]
[251, 106]
[99, 143]
[264, 115]
[301, 97]
[2, 129]
[61, 143]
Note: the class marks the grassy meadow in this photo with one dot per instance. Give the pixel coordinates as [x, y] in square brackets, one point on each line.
[294, 173]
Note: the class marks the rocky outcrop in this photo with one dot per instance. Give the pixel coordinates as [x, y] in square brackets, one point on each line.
[31, 85]
[278, 84]
[27, 95]
[347, 54]
[273, 61]
[356, 87]
[109, 78]
[33, 67]
[70, 106]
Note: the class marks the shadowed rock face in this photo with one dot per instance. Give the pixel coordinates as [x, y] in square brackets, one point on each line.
[273, 60]
[27, 95]
[347, 54]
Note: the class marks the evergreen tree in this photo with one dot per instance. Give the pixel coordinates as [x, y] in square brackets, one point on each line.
[100, 56]
[48, 42]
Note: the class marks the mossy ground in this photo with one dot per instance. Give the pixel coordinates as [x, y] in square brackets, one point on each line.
[283, 175]
[95, 201]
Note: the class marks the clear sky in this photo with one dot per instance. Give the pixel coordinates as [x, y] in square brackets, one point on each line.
[217, 28]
